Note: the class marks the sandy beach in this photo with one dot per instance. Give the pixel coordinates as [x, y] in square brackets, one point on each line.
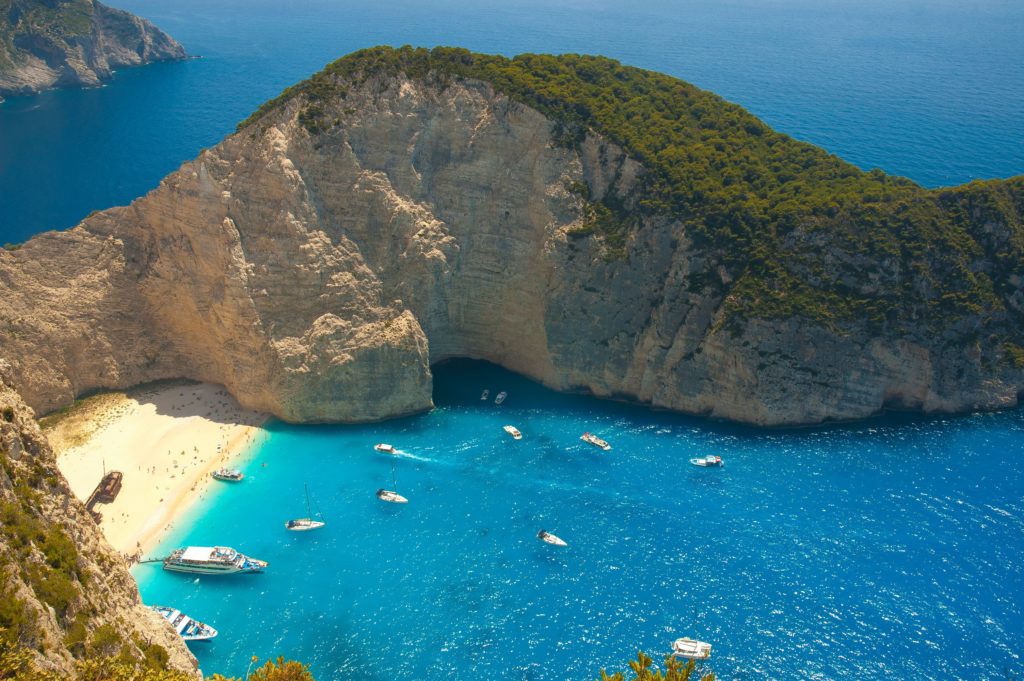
[165, 439]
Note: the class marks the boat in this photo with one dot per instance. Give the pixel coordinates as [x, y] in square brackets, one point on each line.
[486, 393]
[188, 628]
[596, 441]
[549, 538]
[501, 397]
[391, 497]
[228, 474]
[514, 432]
[708, 461]
[307, 523]
[384, 447]
[211, 560]
[691, 649]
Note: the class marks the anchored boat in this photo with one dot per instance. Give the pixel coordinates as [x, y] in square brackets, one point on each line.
[188, 628]
[307, 523]
[484, 395]
[596, 441]
[228, 474]
[501, 397]
[514, 432]
[549, 538]
[211, 560]
[691, 649]
[708, 461]
[391, 497]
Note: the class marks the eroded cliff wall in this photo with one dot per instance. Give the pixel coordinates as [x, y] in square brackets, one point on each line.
[317, 270]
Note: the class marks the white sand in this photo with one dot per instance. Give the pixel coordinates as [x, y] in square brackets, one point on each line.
[165, 440]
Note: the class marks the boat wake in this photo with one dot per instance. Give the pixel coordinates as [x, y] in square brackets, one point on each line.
[414, 457]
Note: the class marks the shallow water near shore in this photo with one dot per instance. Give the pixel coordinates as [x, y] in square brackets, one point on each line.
[884, 549]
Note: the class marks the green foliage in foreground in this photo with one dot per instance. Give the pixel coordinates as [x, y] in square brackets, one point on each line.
[16, 664]
[797, 230]
[675, 670]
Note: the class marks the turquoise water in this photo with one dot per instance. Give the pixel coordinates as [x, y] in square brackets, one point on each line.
[930, 89]
[886, 549]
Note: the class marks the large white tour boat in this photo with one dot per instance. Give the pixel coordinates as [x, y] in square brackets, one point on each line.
[211, 560]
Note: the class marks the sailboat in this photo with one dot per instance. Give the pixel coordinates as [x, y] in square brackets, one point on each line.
[307, 523]
[389, 495]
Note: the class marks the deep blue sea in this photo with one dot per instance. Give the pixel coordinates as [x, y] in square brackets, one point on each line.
[889, 549]
[930, 89]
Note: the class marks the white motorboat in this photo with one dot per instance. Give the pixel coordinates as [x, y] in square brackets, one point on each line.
[501, 397]
[188, 628]
[708, 461]
[514, 432]
[307, 523]
[549, 538]
[596, 441]
[691, 649]
[211, 560]
[384, 447]
[483, 396]
[228, 474]
[391, 497]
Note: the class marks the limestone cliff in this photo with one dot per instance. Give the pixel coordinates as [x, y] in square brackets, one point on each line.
[64, 592]
[54, 43]
[380, 218]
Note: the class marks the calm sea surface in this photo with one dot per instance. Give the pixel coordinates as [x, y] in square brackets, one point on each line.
[888, 549]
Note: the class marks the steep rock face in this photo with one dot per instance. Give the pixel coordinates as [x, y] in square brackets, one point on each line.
[59, 579]
[317, 268]
[73, 42]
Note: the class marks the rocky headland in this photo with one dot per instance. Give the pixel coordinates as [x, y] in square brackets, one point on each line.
[56, 43]
[596, 227]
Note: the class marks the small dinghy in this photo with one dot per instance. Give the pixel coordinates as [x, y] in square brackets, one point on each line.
[307, 523]
[384, 447]
[188, 628]
[486, 393]
[691, 649]
[596, 441]
[549, 538]
[514, 432]
[228, 474]
[391, 497]
[501, 397]
[708, 461]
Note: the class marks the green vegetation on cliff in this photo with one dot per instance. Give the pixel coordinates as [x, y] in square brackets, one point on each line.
[788, 229]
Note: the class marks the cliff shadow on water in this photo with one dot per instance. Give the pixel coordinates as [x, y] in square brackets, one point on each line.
[460, 382]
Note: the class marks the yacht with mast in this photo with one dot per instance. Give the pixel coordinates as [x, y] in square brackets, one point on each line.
[307, 523]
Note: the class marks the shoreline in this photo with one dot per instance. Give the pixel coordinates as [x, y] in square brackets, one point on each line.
[165, 439]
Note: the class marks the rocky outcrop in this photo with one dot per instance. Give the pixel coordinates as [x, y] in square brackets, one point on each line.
[318, 268]
[56, 43]
[66, 593]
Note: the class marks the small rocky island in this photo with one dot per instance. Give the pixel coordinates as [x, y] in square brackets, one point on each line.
[56, 43]
[596, 227]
